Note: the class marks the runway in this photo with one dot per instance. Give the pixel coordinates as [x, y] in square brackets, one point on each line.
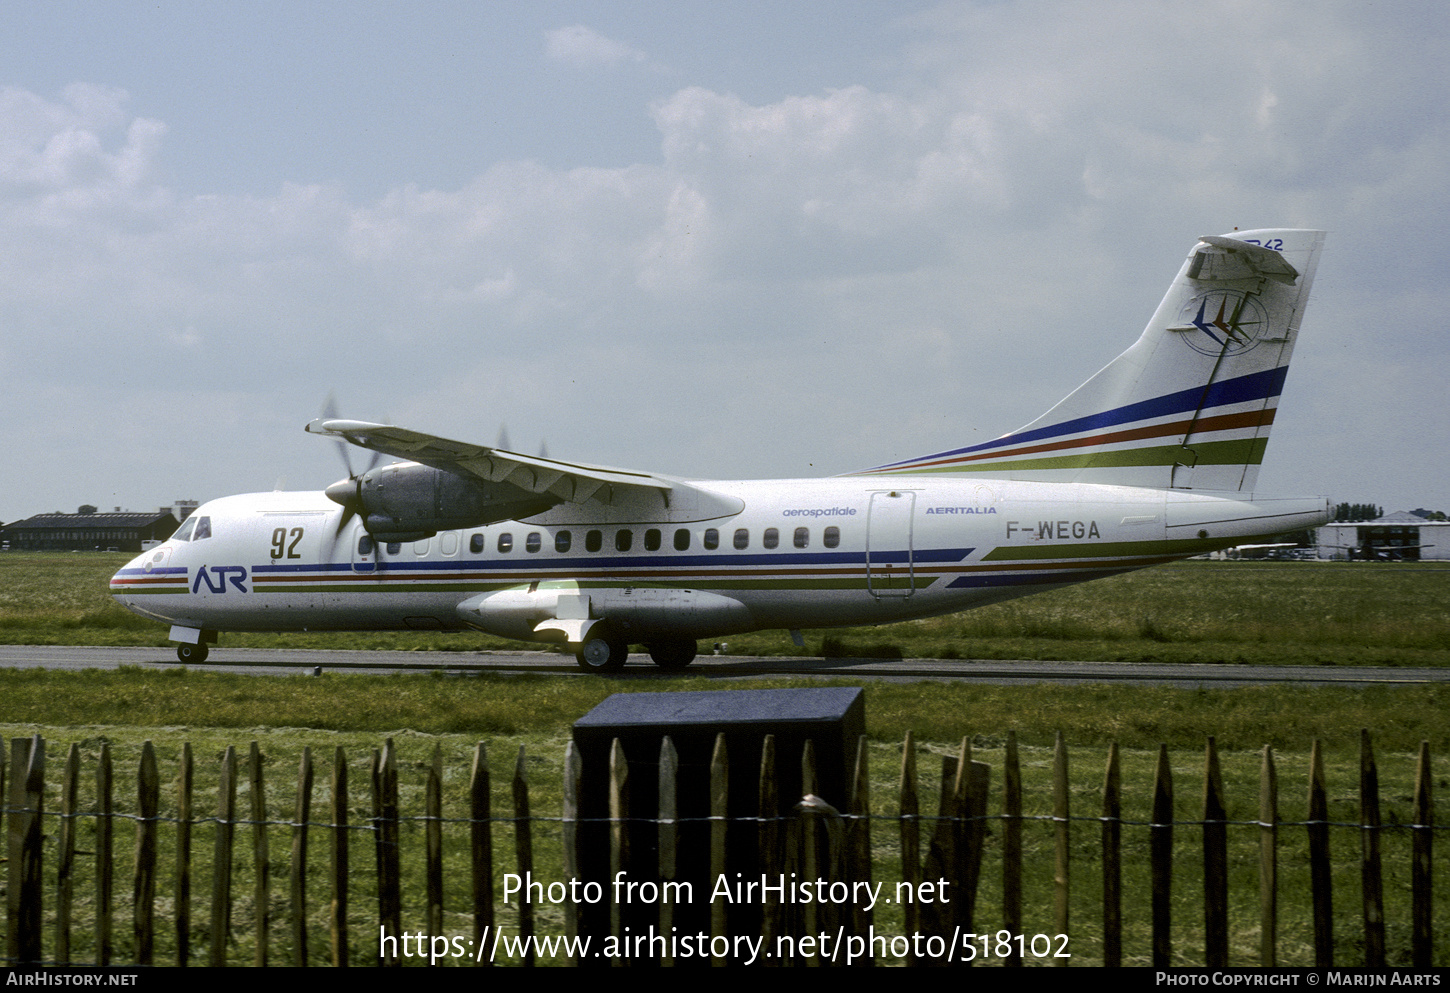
[288, 662]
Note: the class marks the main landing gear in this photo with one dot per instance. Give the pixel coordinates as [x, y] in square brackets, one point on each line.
[604, 652]
[672, 655]
[607, 652]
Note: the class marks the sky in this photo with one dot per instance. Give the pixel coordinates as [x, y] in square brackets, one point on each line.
[719, 240]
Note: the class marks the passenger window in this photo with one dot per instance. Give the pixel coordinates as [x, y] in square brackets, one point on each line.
[506, 542]
[772, 537]
[682, 540]
[448, 543]
[420, 547]
[623, 539]
[365, 545]
[832, 537]
[593, 541]
[742, 538]
[652, 540]
[394, 547]
[802, 537]
[475, 544]
[562, 540]
[533, 542]
[712, 538]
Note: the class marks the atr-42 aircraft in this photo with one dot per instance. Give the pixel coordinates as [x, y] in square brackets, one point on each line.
[1153, 459]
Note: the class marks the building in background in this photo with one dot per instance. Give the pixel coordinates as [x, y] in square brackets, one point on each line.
[1404, 536]
[120, 531]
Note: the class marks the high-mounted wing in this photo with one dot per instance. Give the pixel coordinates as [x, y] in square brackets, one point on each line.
[474, 485]
[568, 481]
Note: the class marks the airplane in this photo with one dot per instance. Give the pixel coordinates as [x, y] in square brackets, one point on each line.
[1155, 458]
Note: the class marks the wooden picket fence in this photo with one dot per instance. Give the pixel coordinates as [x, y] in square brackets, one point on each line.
[815, 841]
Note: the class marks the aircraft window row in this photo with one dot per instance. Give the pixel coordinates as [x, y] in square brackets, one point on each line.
[623, 540]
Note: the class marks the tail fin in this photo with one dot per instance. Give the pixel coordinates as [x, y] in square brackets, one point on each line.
[1189, 405]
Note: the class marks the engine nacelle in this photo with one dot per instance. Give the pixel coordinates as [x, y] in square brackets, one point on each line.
[406, 501]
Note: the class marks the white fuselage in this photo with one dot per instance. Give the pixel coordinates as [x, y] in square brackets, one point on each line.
[801, 553]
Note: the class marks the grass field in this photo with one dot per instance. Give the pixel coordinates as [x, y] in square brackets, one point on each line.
[1289, 613]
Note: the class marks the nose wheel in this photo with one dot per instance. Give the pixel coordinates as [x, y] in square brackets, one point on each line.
[190, 654]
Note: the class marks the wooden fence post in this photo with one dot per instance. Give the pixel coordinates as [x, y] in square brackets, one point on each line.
[480, 839]
[1060, 814]
[772, 923]
[1012, 847]
[910, 806]
[1112, 862]
[433, 842]
[23, 892]
[719, 809]
[143, 900]
[185, 779]
[221, 888]
[297, 881]
[261, 867]
[1319, 878]
[104, 865]
[524, 852]
[1268, 860]
[1215, 862]
[337, 911]
[858, 848]
[1160, 847]
[65, 869]
[385, 820]
[669, 837]
[1372, 885]
[1422, 940]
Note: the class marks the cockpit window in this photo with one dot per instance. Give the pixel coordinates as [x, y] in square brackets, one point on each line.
[203, 529]
[183, 533]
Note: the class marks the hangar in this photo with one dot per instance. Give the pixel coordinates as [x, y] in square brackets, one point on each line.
[1403, 536]
[122, 531]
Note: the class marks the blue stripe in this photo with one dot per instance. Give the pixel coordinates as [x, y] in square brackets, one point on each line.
[535, 562]
[1255, 386]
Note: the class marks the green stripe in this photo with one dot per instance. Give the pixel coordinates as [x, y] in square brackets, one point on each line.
[1240, 451]
[1106, 549]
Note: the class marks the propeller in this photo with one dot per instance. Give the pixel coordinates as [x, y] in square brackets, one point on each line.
[346, 491]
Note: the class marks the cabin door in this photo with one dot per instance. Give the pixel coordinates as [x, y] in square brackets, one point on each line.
[889, 567]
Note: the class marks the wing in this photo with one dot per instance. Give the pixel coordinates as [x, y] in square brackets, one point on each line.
[551, 480]
[565, 480]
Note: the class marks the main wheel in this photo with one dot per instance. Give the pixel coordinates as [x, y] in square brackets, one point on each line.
[602, 653]
[190, 654]
[672, 655]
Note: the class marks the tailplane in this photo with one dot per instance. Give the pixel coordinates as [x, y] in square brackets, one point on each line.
[1189, 405]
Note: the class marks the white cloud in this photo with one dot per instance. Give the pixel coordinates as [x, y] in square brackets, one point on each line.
[581, 46]
[876, 260]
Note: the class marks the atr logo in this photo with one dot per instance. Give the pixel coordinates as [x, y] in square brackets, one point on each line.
[1223, 322]
[220, 576]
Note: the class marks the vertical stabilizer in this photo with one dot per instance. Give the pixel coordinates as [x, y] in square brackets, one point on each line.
[1189, 405]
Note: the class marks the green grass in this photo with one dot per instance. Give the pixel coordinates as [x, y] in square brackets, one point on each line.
[1276, 612]
[1263, 612]
[285, 714]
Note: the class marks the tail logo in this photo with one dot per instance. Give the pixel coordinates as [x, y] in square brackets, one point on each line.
[1223, 322]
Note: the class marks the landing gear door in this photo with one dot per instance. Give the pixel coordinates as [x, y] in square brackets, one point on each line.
[889, 566]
